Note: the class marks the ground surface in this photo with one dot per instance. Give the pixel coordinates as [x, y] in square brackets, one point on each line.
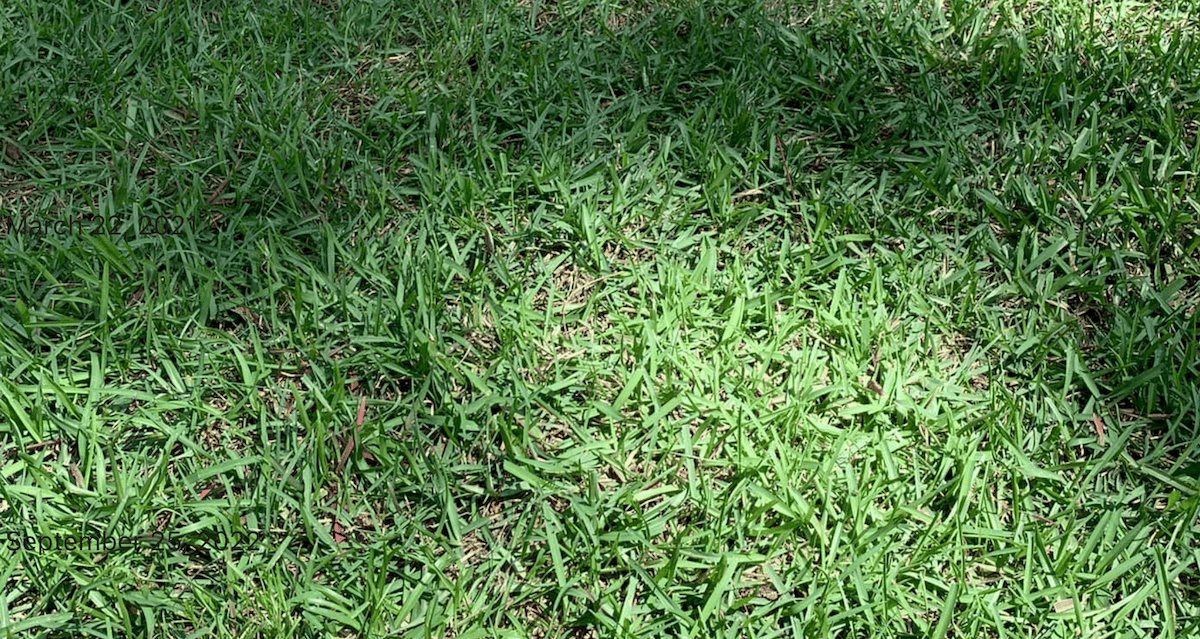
[588, 319]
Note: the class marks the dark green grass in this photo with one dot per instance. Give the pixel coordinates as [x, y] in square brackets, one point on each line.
[475, 319]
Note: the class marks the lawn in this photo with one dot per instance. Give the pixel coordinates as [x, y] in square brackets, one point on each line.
[704, 318]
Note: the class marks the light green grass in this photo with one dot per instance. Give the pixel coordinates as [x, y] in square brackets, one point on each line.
[621, 372]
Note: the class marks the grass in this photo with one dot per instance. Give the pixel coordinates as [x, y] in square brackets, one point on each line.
[599, 319]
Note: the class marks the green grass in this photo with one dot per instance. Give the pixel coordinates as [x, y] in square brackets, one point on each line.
[479, 319]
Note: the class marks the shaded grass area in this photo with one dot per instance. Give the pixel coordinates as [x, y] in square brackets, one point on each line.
[597, 319]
